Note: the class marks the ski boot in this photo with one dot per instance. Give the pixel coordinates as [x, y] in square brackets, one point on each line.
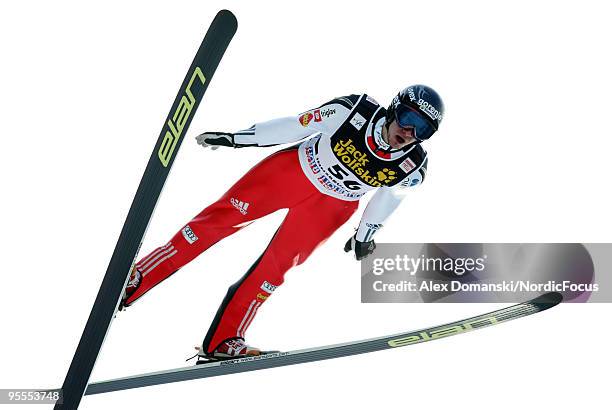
[230, 349]
[132, 286]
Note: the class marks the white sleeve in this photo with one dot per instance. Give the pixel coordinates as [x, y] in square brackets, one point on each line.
[380, 207]
[384, 201]
[327, 119]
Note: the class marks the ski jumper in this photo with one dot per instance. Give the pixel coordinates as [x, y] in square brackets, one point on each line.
[319, 181]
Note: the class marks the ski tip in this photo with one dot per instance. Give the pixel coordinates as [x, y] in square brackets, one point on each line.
[548, 300]
[227, 17]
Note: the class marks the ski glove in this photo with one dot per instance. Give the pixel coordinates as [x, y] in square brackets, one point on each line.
[214, 140]
[362, 249]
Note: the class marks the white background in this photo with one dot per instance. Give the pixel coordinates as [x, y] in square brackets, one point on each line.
[522, 156]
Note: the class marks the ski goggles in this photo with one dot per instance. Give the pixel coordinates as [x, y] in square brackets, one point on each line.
[408, 117]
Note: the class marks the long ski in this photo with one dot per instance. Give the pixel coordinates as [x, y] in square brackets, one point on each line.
[217, 38]
[267, 361]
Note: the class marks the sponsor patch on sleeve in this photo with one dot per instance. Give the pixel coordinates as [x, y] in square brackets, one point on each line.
[189, 235]
[306, 118]
[268, 287]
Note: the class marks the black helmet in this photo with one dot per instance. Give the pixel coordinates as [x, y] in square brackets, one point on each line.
[417, 106]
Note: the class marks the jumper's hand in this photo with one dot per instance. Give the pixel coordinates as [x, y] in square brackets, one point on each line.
[214, 140]
[362, 249]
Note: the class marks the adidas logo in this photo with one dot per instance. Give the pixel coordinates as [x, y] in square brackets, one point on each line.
[239, 205]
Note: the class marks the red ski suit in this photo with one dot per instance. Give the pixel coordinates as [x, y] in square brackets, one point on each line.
[320, 183]
[285, 186]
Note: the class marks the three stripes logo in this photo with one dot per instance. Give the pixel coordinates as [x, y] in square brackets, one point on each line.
[240, 205]
[155, 258]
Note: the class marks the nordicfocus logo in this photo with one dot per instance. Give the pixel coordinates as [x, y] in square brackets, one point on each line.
[189, 235]
[239, 205]
[429, 109]
[268, 287]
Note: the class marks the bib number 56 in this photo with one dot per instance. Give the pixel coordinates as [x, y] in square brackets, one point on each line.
[340, 173]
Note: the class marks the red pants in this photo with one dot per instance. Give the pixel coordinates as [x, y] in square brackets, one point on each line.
[275, 183]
